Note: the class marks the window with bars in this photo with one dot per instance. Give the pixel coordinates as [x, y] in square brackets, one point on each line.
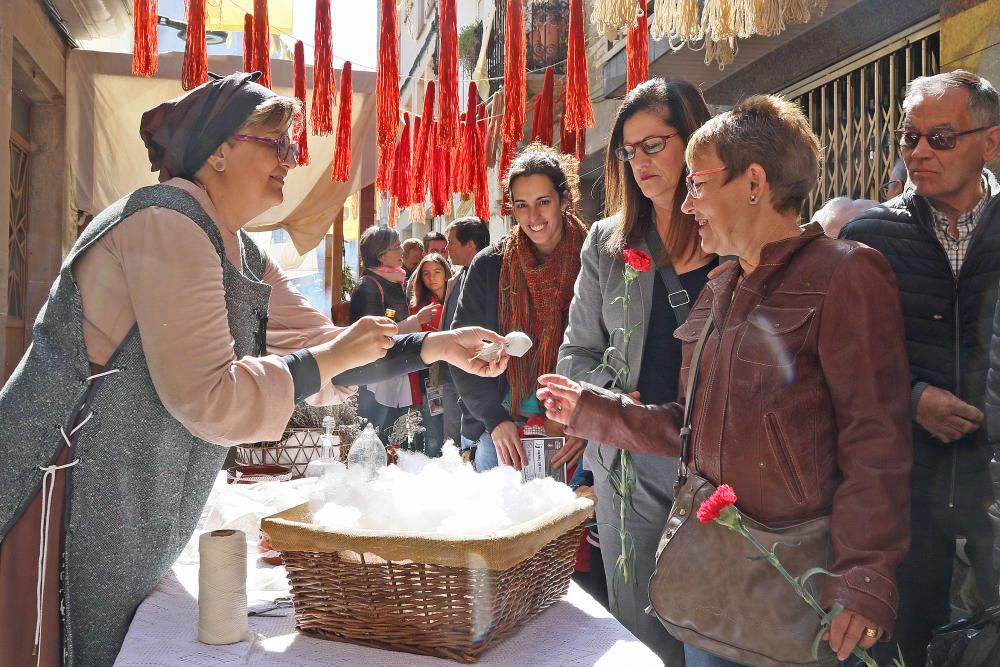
[17, 246]
[854, 108]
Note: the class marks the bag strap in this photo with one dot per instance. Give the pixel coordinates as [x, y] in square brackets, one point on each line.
[381, 292]
[699, 348]
[677, 296]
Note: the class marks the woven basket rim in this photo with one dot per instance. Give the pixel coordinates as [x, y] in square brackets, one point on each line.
[292, 530]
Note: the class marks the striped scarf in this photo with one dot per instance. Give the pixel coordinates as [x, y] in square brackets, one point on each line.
[534, 298]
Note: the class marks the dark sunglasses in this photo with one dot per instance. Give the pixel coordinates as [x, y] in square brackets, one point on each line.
[287, 150]
[649, 146]
[939, 140]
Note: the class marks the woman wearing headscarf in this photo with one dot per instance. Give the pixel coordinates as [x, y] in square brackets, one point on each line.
[524, 282]
[644, 186]
[167, 337]
[801, 398]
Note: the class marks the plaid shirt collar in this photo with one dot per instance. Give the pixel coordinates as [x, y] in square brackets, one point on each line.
[967, 221]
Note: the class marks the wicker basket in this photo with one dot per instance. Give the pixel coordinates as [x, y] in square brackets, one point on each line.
[449, 598]
[294, 451]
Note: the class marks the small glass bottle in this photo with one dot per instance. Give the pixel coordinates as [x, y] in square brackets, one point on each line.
[329, 449]
[367, 453]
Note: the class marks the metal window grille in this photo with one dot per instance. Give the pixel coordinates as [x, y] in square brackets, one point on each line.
[17, 277]
[855, 106]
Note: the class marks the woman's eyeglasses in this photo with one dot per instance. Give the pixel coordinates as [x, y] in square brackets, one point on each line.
[694, 188]
[939, 140]
[287, 150]
[649, 146]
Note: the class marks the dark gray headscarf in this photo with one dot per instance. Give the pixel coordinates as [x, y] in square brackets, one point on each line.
[182, 133]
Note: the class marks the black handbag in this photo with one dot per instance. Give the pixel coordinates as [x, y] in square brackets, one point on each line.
[707, 593]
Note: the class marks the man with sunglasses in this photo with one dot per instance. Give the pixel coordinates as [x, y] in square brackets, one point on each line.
[942, 238]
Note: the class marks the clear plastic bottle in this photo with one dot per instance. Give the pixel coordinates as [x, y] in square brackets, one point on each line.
[367, 453]
[329, 449]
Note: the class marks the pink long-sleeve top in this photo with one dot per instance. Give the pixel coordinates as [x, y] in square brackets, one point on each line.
[158, 268]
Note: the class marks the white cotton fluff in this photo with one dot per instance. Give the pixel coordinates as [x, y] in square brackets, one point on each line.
[441, 496]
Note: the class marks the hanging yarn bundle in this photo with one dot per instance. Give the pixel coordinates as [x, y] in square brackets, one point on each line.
[262, 42]
[613, 16]
[768, 18]
[503, 166]
[677, 20]
[248, 56]
[493, 127]
[717, 20]
[387, 94]
[544, 117]
[480, 186]
[441, 177]
[145, 60]
[637, 53]
[723, 53]
[514, 69]
[299, 129]
[448, 75]
[462, 175]
[423, 151]
[578, 109]
[324, 81]
[342, 152]
[399, 186]
[222, 587]
[194, 71]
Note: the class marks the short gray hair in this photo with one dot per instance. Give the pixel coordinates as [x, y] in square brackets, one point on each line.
[984, 103]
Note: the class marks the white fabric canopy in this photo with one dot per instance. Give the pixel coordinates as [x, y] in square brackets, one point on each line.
[107, 159]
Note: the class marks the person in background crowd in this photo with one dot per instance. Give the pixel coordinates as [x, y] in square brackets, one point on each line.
[781, 411]
[433, 274]
[942, 239]
[644, 185]
[379, 292]
[524, 282]
[168, 337]
[436, 242]
[894, 187]
[413, 252]
[466, 237]
[838, 212]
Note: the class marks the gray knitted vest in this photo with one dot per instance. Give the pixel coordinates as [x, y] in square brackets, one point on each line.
[142, 480]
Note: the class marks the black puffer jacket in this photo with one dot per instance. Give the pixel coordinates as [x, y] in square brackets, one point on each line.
[949, 324]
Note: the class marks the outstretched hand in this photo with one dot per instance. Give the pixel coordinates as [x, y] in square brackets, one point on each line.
[559, 395]
[458, 347]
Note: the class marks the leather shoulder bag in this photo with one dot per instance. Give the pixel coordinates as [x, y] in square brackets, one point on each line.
[707, 593]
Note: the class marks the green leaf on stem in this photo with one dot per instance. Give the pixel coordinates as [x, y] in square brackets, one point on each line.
[808, 574]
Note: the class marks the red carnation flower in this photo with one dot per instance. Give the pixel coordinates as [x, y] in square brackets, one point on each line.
[637, 259]
[711, 509]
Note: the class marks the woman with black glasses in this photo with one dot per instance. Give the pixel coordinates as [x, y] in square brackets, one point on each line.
[644, 181]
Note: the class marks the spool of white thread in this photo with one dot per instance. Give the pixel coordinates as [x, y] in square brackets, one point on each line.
[222, 587]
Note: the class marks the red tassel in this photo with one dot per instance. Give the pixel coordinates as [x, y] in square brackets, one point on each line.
[194, 71]
[637, 52]
[324, 80]
[387, 94]
[342, 153]
[463, 164]
[262, 42]
[578, 110]
[581, 144]
[506, 157]
[441, 177]
[145, 59]
[514, 66]
[567, 138]
[423, 152]
[543, 118]
[299, 85]
[248, 56]
[400, 184]
[448, 75]
[480, 186]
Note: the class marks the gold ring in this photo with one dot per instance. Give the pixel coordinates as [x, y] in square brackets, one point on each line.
[871, 632]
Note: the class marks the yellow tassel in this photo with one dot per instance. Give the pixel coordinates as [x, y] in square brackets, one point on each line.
[717, 20]
[796, 11]
[612, 17]
[723, 52]
[676, 19]
[768, 19]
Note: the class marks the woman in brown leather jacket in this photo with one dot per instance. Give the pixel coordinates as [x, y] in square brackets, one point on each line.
[802, 402]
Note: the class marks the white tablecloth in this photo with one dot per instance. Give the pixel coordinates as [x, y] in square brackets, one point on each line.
[575, 631]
